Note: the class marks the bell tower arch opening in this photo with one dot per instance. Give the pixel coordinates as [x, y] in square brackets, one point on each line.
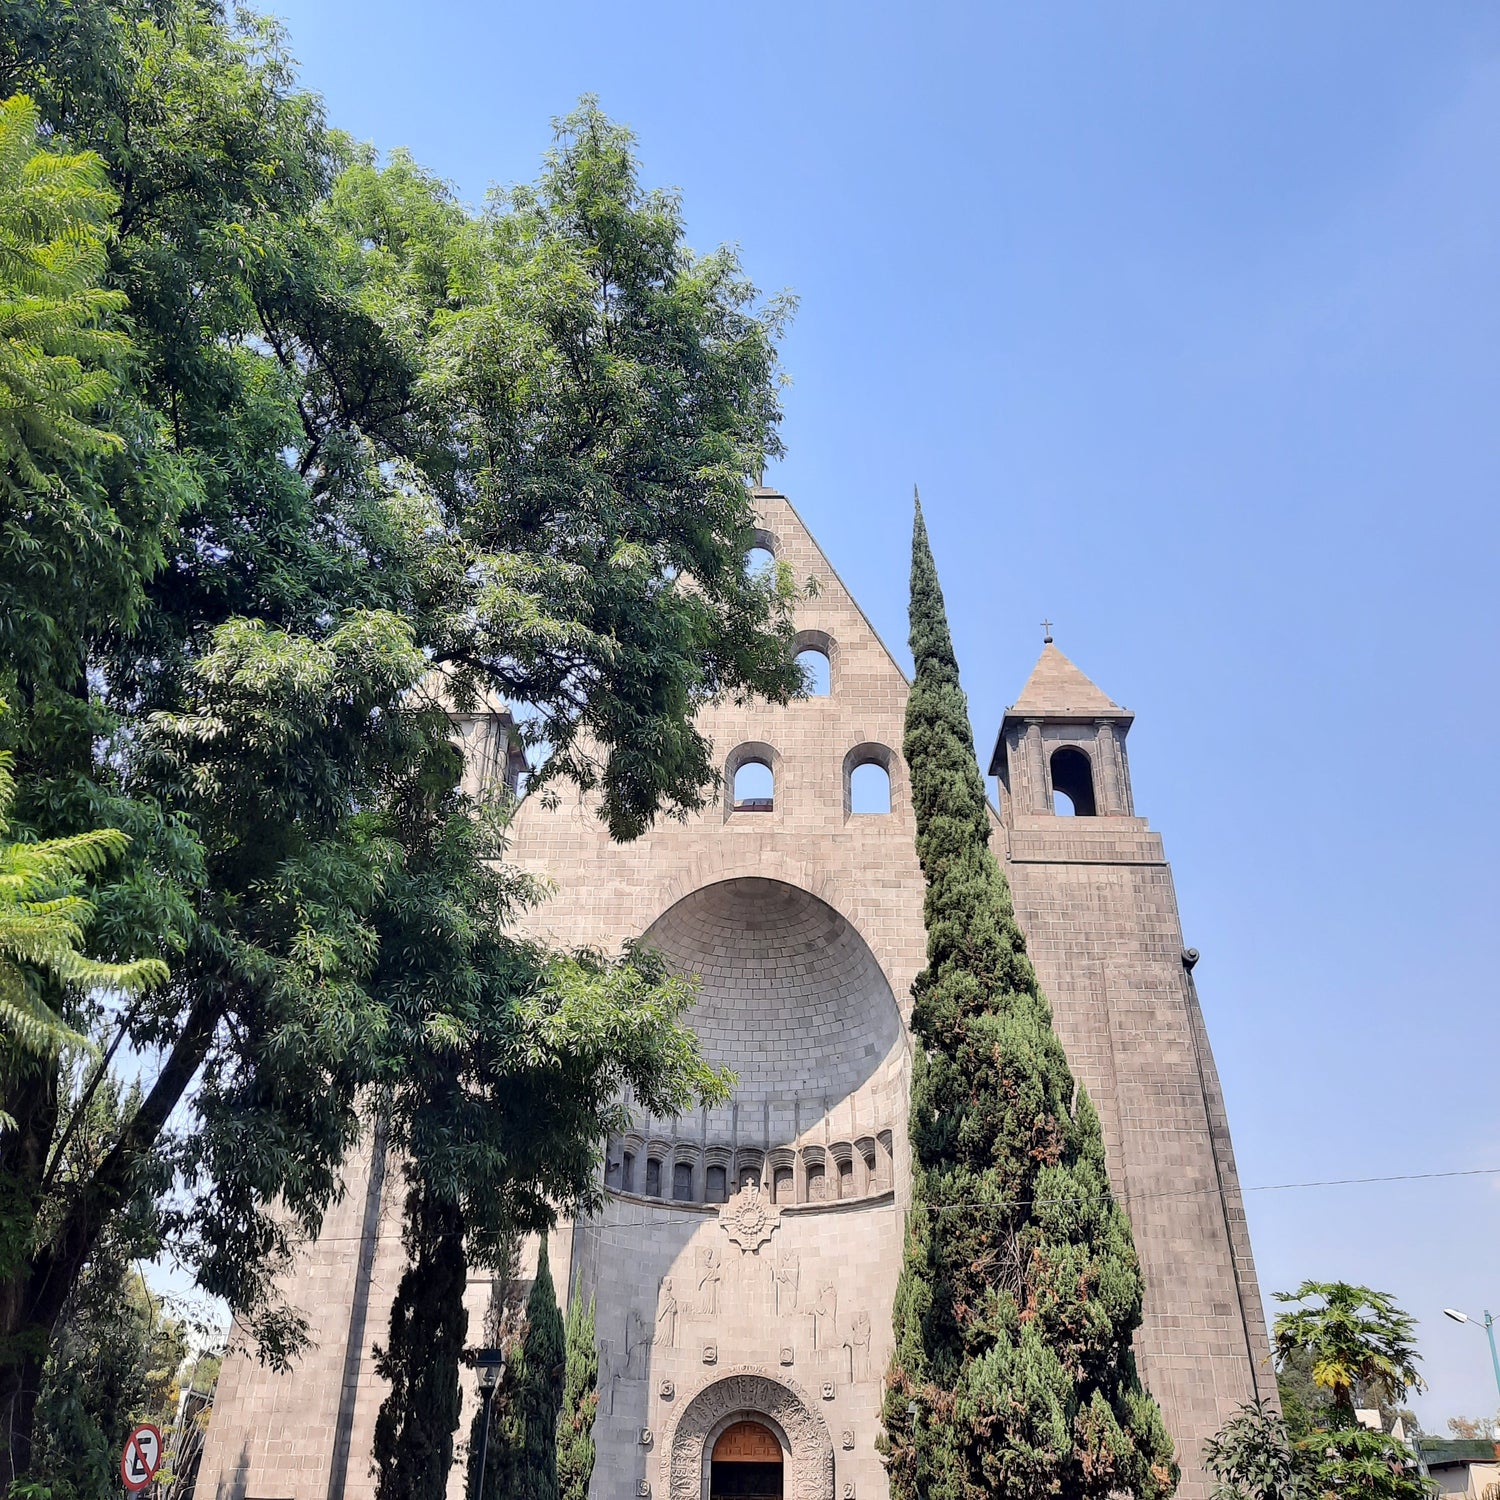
[746, 1464]
[1073, 778]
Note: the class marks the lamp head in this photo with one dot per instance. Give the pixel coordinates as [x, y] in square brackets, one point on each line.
[1453, 1312]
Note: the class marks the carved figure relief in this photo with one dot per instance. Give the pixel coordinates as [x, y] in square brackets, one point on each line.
[825, 1317]
[750, 1218]
[666, 1316]
[857, 1346]
[639, 1336]
[608, 1375]
[746, 1392]
[787, 1272]
[709, 1277]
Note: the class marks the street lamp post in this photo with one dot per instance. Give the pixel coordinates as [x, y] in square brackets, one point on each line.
[1489, 1328]
[491, 1363]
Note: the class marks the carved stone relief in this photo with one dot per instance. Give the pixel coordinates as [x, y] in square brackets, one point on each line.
[709, 1276]
[857, 1347]
[666, 1316]
[748, 1393]
[825, 1317]
[639, 1336]
[787, 1272]
[750, 1218]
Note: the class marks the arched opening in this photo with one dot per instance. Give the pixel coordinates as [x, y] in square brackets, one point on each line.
[716, 1188]
[869, 772]
[869, 789]
[746, 1464]
[816, 675]
[1072, 783]
[682, 1182]
[754, 787]
[653, 1178]
[759, 561]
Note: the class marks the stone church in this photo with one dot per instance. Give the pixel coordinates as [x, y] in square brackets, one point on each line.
[746, 1258]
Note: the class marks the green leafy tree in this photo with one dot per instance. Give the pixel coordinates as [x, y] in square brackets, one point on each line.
[42, 926]
[115, 1357]
[331, 474]
[1342, 1347]
[575, 1427]
[1359, 1343]
[115, 583]
[55, 347]
[1012, 1372]
[1253, 1457]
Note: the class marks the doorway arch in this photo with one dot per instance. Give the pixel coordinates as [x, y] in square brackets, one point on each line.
[746, 1463]
[746, 1395]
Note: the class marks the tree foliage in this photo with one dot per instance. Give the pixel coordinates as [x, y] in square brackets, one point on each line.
[1012, 1372]
[360, 434]
[580, 1403]
[1356, 1339]
[1253, 1458]
[536, 1401]
[42, 925]
[55, 346]
[1343, 1345]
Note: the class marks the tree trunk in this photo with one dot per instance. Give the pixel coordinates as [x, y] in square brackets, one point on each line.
[37, 1280]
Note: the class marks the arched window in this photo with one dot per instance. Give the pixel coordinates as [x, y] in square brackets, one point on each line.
[653, 1178]
[716, 1187]
[817, 1183]
[754, 787]
[846, 1179]
[815, 671]
[759, 561]
[869, 789]
[627, 1173]
[782, 1186]
[682, 1182]
[1072, 783]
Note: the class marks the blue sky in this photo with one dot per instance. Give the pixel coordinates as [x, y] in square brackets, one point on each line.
[1184, 319]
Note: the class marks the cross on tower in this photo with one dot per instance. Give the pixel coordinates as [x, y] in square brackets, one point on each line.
[1046, 632]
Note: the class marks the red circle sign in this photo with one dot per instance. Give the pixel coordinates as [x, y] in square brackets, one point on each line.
[142, 1457]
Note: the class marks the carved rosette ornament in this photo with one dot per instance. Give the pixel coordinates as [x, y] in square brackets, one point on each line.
[749, 1218]
[747, 1394]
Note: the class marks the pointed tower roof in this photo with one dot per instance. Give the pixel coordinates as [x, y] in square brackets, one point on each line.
[1058, 691]
[1056, 686]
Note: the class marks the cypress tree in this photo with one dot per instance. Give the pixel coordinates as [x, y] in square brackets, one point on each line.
[420, 1359]
[537, 1398]
[575, 1428]
[1012, 1373]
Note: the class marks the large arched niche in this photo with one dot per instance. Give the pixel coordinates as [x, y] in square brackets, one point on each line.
[748, 1395]
[790, 995]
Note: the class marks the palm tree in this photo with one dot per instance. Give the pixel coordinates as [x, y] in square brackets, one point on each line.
[1355, 1337]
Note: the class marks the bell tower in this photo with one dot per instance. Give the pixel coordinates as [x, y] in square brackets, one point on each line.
[1062, 739]
[1095, 898]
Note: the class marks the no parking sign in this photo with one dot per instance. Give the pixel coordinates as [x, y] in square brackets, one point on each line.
[141, 1458]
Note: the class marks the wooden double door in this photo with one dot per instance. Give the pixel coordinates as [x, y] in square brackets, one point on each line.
[746, 1464]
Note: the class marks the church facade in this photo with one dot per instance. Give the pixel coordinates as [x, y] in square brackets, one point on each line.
[744, 1265]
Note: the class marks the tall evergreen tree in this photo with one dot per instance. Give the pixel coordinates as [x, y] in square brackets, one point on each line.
[523, 1441]
[575, 1428]
[1012, 1373]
